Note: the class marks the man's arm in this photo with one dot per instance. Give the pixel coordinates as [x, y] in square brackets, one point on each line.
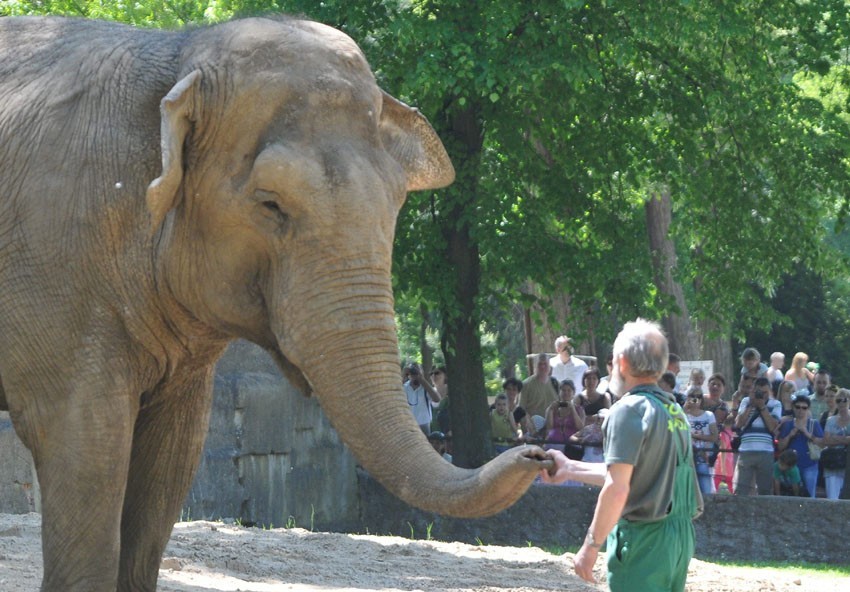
[771, 422]
[609, 509]
[573, 470]
[433, 394]
[743, 417]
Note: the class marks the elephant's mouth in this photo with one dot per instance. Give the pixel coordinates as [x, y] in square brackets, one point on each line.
[292, 373]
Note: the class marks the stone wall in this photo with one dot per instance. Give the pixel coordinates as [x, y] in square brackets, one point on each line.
[271, 456]
[732, 527]
[272, 459]
[19, 492]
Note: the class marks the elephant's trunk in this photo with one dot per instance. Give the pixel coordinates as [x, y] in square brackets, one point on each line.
[357, 379]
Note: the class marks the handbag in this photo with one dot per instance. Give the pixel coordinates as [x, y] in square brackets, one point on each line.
[736, 440]
[814, 449]
[713, 453]
[735, 443]
[834, 459]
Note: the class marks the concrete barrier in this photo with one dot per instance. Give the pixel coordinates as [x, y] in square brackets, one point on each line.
[732, 527]
[271, 456]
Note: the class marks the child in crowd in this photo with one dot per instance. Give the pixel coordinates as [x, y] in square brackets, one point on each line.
[502, 425]
[724, 466]
[786, 475]
[439, 442]
[751, 364]
[696, 379]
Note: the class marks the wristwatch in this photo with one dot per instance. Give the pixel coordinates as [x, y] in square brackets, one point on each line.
[591, 542]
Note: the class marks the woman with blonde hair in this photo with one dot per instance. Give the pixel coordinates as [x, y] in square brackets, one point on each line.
[798, 373]
[785, 394]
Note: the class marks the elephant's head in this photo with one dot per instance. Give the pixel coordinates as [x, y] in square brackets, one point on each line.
[284, 169]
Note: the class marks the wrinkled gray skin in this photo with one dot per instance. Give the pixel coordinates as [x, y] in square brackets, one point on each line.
[163, 193]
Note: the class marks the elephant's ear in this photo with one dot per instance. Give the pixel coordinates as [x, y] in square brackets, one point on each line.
[177, 113]
[411, 140]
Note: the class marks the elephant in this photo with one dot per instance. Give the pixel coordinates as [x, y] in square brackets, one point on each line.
[163, 193]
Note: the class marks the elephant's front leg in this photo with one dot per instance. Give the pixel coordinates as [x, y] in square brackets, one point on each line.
[80, 436]
[167, 446]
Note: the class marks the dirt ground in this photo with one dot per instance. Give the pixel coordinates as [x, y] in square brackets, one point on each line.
[207, 556]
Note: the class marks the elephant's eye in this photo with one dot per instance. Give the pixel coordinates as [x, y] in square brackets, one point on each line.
[272, 208]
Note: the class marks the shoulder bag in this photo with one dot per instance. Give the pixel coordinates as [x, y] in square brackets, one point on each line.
[834, 458]
[814, 450]
[736, 440]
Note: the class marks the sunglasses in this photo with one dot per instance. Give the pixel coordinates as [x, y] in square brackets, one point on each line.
[841, 400]
[801, 407]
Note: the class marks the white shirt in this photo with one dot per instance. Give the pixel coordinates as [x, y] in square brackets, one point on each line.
[573, 370]
[701, 424]
[420, 403]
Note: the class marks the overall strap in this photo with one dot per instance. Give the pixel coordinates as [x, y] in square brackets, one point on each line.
[685, 492]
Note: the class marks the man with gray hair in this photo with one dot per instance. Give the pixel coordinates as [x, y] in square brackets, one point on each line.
[649, 491]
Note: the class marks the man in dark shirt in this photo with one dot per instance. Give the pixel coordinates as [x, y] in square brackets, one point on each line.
[649, 491]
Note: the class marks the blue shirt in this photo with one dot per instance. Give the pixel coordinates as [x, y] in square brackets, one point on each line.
[800, 443]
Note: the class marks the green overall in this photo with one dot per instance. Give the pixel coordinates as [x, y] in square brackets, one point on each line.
[654, 556]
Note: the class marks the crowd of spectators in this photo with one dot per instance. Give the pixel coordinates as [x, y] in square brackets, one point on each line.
[777, 433]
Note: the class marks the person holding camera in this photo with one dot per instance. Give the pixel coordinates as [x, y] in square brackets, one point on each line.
[704, 436]
[758, 417]
[564, 417]
[421, 397]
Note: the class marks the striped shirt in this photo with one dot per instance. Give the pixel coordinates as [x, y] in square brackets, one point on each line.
[756, 438]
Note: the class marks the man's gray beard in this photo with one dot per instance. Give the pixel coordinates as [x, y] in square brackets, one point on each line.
[615, 383]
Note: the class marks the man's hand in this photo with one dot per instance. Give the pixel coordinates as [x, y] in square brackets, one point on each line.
[558, 473]
[584, 561]
[566, 469]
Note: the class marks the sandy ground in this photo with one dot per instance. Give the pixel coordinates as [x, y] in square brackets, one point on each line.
[217, 557]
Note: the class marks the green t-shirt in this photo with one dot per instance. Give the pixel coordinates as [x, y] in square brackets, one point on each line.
[789, 477]
[638, 432]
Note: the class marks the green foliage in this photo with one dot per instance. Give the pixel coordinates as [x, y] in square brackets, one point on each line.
[144, 14]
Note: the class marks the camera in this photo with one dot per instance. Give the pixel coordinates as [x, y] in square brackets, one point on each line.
[759, 395]
[562, 404]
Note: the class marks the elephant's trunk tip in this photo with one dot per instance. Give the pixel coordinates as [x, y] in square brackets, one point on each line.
[497, 485]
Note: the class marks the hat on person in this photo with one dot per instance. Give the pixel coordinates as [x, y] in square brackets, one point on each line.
[800, 393]
[802, 397]
[436, 435]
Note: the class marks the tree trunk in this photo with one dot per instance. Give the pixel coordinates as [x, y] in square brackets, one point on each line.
[718, 349]
[461, 342]
[426, 350]
[676, 323]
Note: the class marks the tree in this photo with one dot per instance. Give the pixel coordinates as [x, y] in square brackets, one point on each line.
[563, 118]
